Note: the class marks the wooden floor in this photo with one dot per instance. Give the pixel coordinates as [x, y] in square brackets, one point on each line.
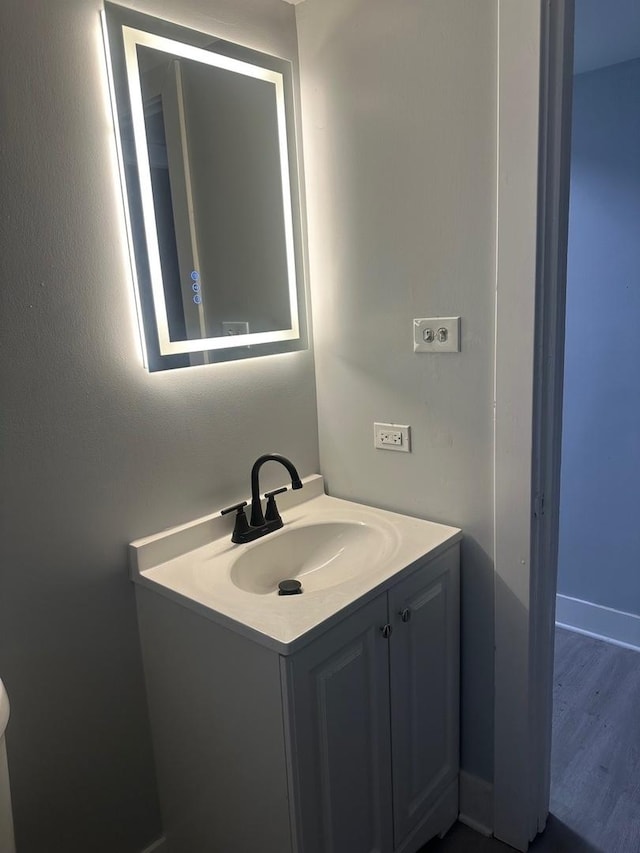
[595, 759]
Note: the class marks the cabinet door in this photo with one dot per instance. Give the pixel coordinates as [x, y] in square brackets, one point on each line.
[424, 689]
[337, 692]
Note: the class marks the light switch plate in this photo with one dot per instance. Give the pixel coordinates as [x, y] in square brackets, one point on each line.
[235, 327]
[436, 334]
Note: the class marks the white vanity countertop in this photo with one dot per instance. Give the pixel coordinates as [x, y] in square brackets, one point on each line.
[192, 564]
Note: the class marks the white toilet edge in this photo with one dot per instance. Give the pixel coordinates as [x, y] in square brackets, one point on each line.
[4, 709]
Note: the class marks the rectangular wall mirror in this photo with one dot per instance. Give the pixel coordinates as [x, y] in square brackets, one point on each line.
[206, 140]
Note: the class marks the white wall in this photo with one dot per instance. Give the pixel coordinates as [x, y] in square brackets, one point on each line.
[95, 451]
[399, 118]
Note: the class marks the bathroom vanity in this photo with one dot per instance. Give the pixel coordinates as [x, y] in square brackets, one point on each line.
[325, 722]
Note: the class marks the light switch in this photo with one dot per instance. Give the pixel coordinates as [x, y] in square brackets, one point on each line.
[436, 334]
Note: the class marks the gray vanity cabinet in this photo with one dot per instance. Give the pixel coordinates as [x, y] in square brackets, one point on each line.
[348, 744]
[373, 720]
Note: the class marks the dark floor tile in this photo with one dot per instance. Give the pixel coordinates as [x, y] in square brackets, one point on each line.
[557, 838]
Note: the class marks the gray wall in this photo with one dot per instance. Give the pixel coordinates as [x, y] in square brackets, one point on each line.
[399, 119]
[95, 451]
[600, 490]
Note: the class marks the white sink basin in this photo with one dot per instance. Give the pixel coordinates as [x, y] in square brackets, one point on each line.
[318, 555]
[341, 552]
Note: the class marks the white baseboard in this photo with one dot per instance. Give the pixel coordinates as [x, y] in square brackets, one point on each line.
[159, 846]
[476, 803]
[594, 620]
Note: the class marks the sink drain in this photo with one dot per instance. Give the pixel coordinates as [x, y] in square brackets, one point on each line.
[289, 587]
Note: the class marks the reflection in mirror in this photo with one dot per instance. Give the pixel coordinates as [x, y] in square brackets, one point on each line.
[207, 150]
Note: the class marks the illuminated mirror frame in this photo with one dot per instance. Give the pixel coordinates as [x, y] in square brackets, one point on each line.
[124, 30]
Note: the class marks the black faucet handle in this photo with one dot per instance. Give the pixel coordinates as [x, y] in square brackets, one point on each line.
[237, 507]
[271, 513]
[241, 527]
[275, 492]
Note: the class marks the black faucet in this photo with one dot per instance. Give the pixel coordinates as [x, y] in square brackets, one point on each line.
[257, 518]
[261, 524]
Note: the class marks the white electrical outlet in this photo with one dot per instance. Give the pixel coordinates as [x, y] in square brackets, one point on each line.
[392, 437]
[436, 334]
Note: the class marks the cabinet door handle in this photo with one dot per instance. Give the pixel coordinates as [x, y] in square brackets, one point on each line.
[405, 614]
[386, 631]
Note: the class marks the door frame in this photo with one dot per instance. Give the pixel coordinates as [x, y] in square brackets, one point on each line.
[535, 59]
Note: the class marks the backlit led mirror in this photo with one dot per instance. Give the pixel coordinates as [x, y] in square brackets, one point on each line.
[206, 140]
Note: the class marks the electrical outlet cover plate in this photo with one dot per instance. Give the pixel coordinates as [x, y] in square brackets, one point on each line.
[421, 328]
[235, 327]
[392, 437]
